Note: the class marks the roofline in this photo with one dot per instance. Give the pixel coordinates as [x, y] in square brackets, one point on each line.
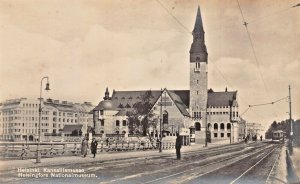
[177, 105]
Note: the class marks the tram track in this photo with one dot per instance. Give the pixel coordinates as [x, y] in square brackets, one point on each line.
[163, 176]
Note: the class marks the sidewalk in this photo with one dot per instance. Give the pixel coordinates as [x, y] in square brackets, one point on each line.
[296, 160]
[100, 157]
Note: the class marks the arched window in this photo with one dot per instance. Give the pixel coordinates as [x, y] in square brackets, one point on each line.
[208, 126]
[222, 126]
[101, 132]
[198, 126]
[117, 132]
[117, 123]
[124, 123]
[228, 126]
[123, 132]
[165, 117]
[216, 126]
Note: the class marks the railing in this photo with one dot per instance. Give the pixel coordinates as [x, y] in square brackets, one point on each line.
[14, 150]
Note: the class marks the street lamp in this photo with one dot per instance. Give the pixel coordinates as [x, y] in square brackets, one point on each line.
[38, 151]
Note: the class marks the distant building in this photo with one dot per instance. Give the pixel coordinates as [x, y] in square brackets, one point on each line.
[189, 112]
[19, 118]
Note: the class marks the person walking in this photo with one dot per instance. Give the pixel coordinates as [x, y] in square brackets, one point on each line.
[261, 138]
[84, 147]
[94, 145]
[178, 146]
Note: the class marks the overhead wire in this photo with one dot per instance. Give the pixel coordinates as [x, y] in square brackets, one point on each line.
[171, 14]
[187, 30]
[255, 55]
[219, 71]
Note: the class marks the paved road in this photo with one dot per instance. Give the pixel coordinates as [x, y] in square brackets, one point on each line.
[240, 163]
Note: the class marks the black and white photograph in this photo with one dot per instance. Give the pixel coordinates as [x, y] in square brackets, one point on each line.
[150, 91]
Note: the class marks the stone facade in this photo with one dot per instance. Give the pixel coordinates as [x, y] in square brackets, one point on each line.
[19, 118]
[196, 111]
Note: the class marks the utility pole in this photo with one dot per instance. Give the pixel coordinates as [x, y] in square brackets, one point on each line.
[206, 129]
[160, 119]
[291, 134]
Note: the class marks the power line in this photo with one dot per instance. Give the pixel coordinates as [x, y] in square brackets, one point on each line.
[270, 103]
[170, 13]
[254, 54]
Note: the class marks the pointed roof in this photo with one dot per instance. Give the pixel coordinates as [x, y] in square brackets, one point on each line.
[198, 24]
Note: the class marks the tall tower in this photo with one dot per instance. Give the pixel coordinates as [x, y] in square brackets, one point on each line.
[198, 72]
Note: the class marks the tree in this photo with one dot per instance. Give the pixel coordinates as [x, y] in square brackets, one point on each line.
[141, 117]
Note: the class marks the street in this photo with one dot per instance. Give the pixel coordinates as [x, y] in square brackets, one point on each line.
[238, 163]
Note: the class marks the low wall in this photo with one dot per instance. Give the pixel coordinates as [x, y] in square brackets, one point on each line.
[21, 150]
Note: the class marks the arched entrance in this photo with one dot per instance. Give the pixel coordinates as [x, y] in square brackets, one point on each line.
[197, 126]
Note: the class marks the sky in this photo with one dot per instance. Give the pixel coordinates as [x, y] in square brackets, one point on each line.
[86, 46]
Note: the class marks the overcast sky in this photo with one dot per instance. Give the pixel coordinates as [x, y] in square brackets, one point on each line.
[86, 46]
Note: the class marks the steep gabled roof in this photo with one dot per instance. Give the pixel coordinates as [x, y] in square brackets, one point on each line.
[179, 103]
[129, 98]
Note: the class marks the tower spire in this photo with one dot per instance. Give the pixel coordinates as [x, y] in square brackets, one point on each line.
[198, 24]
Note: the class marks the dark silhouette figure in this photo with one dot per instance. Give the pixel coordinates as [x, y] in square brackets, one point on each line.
[261, 138]
[84, 147]
[178, 146]
[94, 145]
[107, 141]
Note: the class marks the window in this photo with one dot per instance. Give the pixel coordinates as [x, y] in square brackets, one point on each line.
[198, 126]
[117, 123]
[102, 123]
[222, 126]
[124, 122]
[228, 126]
[216, 126]
[228, 134]
[215, 134]
[208, 126]
[165, 117]
[222, 134]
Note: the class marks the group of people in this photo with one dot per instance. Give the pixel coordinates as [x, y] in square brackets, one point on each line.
[94, 144]
[254, 138]
[85, 147]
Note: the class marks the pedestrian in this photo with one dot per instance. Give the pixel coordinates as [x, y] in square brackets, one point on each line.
[178, 146]
[94, 145]
[261, 138]
[84, 147]
[107, 141]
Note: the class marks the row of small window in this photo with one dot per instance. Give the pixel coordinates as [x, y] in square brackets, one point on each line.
[197, 115]
[234, 114]
[216, 126]
[124, 123]
[30, 105]
[221, 135]
[116, 132]
[64, 120]
[10, 112]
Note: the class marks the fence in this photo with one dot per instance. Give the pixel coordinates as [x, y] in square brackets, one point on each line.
[14, 150]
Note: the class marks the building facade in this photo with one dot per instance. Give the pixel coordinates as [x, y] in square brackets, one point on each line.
[195, 113]
[19, 118]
